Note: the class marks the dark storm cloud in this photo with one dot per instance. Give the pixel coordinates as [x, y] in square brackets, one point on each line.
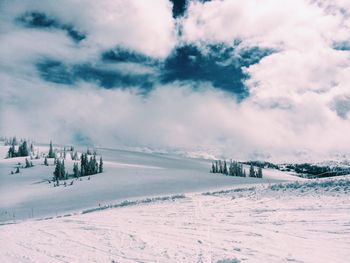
[39, 20]
[179, 7]
[218, 64]
[58, 72]
[119, 54]
[343, 46]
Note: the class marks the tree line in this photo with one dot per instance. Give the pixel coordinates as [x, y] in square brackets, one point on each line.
[88, 166]
[234, 168]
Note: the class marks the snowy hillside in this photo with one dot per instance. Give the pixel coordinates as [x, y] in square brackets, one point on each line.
[127, 175]
[289, 222]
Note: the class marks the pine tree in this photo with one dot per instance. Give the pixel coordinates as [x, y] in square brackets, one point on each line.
[51, 152]
[231, 169]
[83, 164]
[57, 172]
[100, 166]
[224, 170]
[11, 152]
[23, 149]
[212, 168]
[63, 170]
[75, 170]
[94, 165]
[220, 167]
[251, 171]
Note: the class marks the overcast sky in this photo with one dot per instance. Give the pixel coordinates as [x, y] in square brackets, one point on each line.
[239, 79]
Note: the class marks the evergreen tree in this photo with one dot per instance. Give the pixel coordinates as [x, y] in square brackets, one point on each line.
[224, 170]
[75, 170]
[57, 172]
[51, 152]
[94, 165]
[63, 170]
[23, 149]
[11, 152]
[220, 167]
[45, 161]
[83, 164]
[212, 168]
[230, 168]
[60, 172]
[251, 171]
[259, 175]
[14, 141]
[100, 166]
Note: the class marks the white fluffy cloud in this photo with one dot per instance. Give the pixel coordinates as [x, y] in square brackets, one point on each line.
[298, 99]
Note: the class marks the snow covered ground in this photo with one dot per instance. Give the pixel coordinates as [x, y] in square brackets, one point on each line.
[127, 175]
[149, 207]
[291, 222]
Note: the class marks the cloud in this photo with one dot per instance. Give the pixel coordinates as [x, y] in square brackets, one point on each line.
[237, 79]
[40, 20]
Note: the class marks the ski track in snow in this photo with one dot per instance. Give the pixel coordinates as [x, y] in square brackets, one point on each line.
[290, 222]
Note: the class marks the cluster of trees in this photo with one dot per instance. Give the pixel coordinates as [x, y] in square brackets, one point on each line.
[21, 151]
[88, 166]
[234, 168]
[60, 171]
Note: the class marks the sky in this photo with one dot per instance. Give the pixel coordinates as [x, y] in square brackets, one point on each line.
[227, 78]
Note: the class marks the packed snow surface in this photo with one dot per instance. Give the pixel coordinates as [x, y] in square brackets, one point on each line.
[305, 221]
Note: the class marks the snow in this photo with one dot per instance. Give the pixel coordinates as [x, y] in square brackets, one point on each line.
[305, 221]
[128, 175]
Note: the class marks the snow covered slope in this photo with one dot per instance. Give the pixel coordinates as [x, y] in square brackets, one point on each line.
[128, 175]
[290, 222]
